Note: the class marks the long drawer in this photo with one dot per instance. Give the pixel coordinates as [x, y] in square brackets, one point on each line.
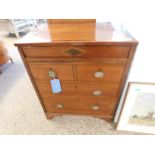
[94, 89]
[114, 51]
[81, 106]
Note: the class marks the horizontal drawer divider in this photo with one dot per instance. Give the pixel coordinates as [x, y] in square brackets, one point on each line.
[82, 81]
[108, 61]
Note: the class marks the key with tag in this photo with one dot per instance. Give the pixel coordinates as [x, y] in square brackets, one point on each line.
[56, 87]
[55, 82]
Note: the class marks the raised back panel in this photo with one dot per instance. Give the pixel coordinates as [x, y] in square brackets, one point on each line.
[61, 21]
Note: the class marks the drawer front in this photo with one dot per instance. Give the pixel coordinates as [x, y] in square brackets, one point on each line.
[40, 71]
[99, 72]
[96, 106]
[85, 106]
[92, 89]
[60, 104]
[45, 89]
[97, 90]
[114, 51]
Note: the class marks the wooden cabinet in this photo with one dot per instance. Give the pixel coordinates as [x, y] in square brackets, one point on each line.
[4, 57]
[92, 64]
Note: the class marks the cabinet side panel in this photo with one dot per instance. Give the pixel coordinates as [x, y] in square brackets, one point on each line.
[31, 78]
[125, 75]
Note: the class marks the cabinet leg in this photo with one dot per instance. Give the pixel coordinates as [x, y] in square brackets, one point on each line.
[0, 71]
[109, 120]
[51, 115]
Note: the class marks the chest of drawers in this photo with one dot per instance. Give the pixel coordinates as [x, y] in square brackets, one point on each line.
[92, 61]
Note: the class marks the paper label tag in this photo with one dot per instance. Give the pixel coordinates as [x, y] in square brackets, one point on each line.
[56, 86]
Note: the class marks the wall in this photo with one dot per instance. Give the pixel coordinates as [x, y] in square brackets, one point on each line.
[138, 18]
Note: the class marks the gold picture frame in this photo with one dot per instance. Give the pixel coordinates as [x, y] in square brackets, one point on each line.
[138, 111]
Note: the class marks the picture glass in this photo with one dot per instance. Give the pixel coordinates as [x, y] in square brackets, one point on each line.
[138, 113]
[143, 111]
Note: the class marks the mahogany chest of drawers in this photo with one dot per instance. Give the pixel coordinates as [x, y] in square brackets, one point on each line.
[91, 60]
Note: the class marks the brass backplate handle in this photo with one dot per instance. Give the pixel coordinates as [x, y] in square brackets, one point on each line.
[97, 92]
[95, 107]
[73, 51]
[99, 74]
[60, 106]
[52, 74]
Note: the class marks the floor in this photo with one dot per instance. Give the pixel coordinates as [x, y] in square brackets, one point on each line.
[21, 112]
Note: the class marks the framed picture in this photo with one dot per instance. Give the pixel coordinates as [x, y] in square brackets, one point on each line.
[138, 112]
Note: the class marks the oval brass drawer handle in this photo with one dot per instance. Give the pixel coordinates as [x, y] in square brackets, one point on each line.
[99, 74]
[95, 107]
[60, 106]
[97, 93]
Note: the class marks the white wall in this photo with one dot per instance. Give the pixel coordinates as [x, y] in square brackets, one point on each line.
[138, 17]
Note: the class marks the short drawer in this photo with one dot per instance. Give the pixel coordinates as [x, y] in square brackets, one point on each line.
[40, 71]
[86, 106]
[91, 51]
[99, 72]
[45, 89]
